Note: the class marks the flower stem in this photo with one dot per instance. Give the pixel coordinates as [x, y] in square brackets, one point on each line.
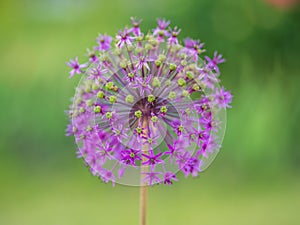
[143, 190]
[143, 204]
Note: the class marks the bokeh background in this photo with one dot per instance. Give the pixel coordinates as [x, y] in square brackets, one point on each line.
[254, 180]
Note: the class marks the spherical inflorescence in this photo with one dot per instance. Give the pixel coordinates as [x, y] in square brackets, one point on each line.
[147, 101]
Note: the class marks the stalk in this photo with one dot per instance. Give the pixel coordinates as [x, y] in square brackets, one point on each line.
[143, 201]
[143, 188]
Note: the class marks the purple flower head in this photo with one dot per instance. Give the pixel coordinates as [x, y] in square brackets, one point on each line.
[98, 73]
[192, 166]
[174, 150]
[120, 131]
[147, 106]
[169, 177]
[124, 38]
[213, 63]
[107, 176]
[161, 30]
[163, 24]
[70, 130]
[104, 42]
[210, 79]
[130, 156]
[223, 98]
[173, 40]
[152, 177]
[142, 62]
[178, 127]
[93, 57]
[151, 140]
[193, 48]
[76, 67]
[152, 159]
[136, 26]
[143, 85]
[201, 135]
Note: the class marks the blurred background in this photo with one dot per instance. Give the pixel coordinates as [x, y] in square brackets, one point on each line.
[255, 178]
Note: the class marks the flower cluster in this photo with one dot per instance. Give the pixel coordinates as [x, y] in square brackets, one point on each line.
[147, 105]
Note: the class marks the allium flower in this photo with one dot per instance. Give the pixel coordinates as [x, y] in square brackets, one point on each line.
[104, 42]
[173, 40]
[169, 177]
[213, 63]
[136, 26]
[148, 107]
[76, 67]
[124, 38]
[161, 30]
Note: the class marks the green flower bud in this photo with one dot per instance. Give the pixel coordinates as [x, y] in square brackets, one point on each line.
[156, 82]
[168, 83]
[161, 57]
[100, 94]
[181, 82]
[138, 114]
[88, 89]
[148, 47]
[190, 74]
[140, 38]
[97, 109]
[153, 42]
[95, 87]
[89, 102]
[196, 87]
[109, 85]
[158, 63]
[108, 115]
[78, 101]
[185, 93]
[200, 51]
[148, 36]
[183, 62]
[154, 119]
[130, 75]
[151, 98]
[172, 95]
[164, 109]
[183, 56]
[150, 140]
[89, 128]
[139, 130]
[81, 110]
[173, 67]
[180, 128]
[161, 32]
[123, 64]
[129, 99]
[112, 99]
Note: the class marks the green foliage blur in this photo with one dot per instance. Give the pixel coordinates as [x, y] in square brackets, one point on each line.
[255, 178]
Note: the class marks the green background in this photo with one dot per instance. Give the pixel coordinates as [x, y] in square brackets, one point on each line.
[255, 178]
